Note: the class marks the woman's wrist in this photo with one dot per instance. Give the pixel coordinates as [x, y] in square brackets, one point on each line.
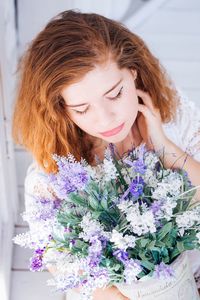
[110, 292]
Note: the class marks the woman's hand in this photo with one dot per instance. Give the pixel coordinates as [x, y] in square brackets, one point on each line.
[109, 293]
[149, 123]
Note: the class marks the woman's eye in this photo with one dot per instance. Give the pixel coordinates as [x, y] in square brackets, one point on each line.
[114, 98]
[118, 95]
[81, 112]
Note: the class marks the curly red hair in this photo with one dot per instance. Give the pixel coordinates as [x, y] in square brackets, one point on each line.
[70, 45]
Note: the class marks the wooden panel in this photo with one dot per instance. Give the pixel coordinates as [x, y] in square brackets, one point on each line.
[23, 160]
[174, 47]
[26, 285]
[21, 255]
[171, 22]
[185, 74]
[193, 95]
[21, 207]
[182, 5]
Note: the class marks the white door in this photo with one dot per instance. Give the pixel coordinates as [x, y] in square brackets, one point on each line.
[8, 187]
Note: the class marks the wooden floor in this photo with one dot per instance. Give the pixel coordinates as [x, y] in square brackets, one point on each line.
[173, 34]
[27, 285]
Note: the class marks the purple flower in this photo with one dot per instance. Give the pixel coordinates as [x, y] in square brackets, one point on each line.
[112, 148]
[50, 237]
[47, 208]
[163, 271]
[132, 270]
[104, 242]
[36, 261]
[72, 242]
[142, 150]
[94, 252]
[39, 251]
[136, 187]
[56, 204]
[185, 173]
[100, 274]
[69, 282]
[71, 177]
[138, 165]
[156, 206]
[67, 229]
[121, 255]
[44, 200]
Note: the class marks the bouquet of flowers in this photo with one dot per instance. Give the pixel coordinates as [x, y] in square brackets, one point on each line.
[118, 222]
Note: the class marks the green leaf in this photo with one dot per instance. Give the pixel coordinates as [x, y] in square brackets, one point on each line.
[77, 199]
[148, 265]
[68, 219]
[94, 203]
[96, 214]
[156, 256]
[164, 230]
[117, 267]
[151, 245]
[144, 242]
[104, 203]
[188, 246]
[180, 246]
[174, 253]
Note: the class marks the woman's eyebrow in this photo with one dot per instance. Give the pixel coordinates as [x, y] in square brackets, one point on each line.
[112, 88]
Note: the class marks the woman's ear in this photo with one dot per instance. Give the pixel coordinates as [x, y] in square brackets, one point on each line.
[134, 72]
[140, 100]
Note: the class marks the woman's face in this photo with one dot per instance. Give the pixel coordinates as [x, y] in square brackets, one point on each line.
[103, 100]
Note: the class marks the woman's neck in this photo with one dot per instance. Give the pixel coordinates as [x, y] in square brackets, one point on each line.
[132, 140]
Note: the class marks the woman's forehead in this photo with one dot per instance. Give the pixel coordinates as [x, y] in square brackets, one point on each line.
[100, 81]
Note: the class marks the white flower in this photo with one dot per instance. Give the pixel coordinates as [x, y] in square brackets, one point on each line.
[34, 238]
[167, 209]
[127, 175]
[150, 160]
[91, 227]
[124, 205]
[198, 236]
[110, 171]
[24, 240]
[122, 242]
[150, 178]
[131, 271]
[170, 186]
[141, 223]
[187, 219]
[104, 172]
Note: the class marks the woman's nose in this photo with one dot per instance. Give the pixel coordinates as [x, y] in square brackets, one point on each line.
[105, 115]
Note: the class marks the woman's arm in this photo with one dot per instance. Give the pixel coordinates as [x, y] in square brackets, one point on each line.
[111, 293]
[150, 126]
[174, 157]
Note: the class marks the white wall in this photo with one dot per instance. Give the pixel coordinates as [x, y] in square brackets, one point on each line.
[8, 186]
[32, 16]
[171, 29]
[173, 34]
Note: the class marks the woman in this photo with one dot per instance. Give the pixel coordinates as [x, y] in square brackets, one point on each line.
[88, 81]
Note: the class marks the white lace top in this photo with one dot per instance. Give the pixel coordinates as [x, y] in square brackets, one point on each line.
[184, 132]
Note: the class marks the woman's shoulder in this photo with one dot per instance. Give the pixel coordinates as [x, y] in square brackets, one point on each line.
[186, 106]
[36, 182]
[185, 129]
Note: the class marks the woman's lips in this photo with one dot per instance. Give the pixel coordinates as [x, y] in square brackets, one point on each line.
[113, 131]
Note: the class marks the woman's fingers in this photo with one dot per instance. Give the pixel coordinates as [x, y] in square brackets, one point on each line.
[146, 99]
[148, 109]
[145, 111]
[148, 103]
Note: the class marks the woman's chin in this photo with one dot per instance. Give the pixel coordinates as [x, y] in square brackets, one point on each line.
[117, 138]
